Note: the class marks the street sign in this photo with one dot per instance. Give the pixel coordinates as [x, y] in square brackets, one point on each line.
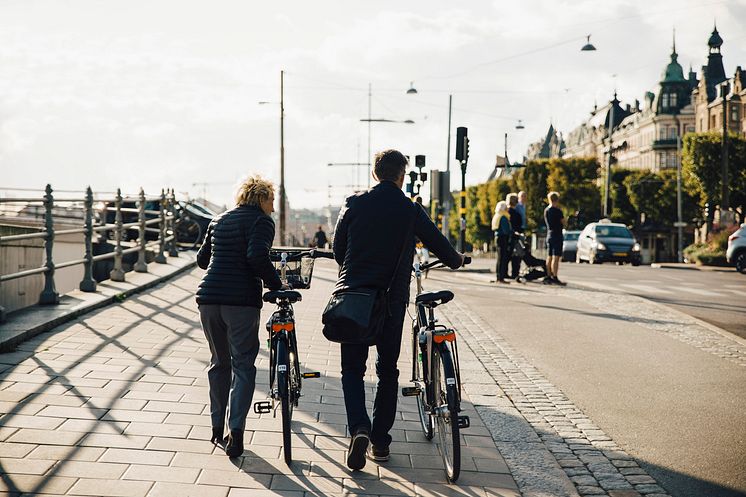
[680, 224]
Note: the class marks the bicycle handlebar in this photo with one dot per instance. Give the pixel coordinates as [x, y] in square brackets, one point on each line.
[438, 264]
[296, 255]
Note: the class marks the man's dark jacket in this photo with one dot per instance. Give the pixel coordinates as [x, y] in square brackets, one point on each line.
[236, 255]
[370, 235]
[516, 221]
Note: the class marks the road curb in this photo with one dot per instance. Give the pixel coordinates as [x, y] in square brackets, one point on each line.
[692, 267]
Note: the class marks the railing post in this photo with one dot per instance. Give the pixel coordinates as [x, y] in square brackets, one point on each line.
[88, 284]
[3, 314]
[117, 274]
[172, 252]
[141, 266]
[49, 295]
[161, 258]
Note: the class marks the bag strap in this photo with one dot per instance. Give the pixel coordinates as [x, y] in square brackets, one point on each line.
[407, 237]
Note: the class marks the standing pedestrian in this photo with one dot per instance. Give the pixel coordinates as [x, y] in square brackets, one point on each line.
[503, 235]
[555, 221]
[319, 239]
[516, 225]
[372, 230]
[521, 208]
[235, 254]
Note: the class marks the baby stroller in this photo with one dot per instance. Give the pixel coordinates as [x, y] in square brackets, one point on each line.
[535, 268]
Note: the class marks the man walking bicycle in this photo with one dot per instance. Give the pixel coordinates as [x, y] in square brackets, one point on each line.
[372, 229]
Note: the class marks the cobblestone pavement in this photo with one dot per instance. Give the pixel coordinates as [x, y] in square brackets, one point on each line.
[115, 404]
[537, 428]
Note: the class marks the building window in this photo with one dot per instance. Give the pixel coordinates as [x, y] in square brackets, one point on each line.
[672, 132]
[664, 101]
[673, 99]
[734, 113]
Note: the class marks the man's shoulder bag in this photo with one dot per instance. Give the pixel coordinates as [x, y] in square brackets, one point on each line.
[356, 316]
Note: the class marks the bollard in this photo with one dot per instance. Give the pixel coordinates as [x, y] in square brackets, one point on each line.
[88, 284]
[49, 295]
[172, 251]
[141, 266]
[161, 257]
[117, 274]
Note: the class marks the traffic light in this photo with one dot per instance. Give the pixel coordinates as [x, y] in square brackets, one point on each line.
[419, 161]
[462, 144]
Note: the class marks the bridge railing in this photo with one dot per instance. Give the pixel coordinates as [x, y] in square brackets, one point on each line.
[163, 223]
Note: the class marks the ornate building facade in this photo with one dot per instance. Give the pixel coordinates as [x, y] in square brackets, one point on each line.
[645, 135]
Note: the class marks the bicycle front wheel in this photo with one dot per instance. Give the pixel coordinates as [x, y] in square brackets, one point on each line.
[284, 390]
[188, 234]
[445, 386]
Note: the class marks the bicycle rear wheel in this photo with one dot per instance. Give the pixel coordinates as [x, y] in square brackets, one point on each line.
[445, 389]
[423, 409]
[284, 391]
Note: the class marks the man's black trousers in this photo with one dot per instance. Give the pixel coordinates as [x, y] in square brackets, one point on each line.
[353, 385]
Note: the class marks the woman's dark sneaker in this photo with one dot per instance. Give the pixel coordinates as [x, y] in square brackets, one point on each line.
[557, 281]
[358, 446]
[378, 454]
[234, 447]
[217, 436]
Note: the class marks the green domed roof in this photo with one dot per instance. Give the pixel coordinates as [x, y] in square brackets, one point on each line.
[673, 73]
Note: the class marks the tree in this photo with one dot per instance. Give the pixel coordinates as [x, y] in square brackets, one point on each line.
[622, 210]
[702, 167]
[576, 180]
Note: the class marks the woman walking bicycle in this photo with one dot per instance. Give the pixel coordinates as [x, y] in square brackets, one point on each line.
[236, 255]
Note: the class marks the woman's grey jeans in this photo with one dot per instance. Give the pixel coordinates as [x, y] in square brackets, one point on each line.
[233, 334]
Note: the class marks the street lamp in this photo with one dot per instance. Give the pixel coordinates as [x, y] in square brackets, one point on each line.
[588, 47]
[412, 90]
[282, 157]
[370, 120]
[520, 125]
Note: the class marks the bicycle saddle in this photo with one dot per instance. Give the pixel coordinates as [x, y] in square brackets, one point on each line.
[434, 298]
[291, 296]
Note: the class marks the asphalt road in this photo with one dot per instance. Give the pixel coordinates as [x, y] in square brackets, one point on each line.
[676, 407]
[717, 297]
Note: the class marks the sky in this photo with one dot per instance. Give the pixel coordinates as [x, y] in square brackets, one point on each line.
[156, 93]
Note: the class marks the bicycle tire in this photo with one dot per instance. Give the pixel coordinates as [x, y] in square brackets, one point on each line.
[188, 234]
[423, 410]
[445, 389]
[283, 389]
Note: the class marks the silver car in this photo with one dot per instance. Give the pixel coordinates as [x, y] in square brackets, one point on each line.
[605, 241]
[736, 253]
[569, 245]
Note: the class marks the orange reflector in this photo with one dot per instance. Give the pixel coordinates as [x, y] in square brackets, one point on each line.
[277, 327]
[445, 337]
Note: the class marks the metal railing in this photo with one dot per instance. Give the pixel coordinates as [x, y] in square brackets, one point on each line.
[166, 241]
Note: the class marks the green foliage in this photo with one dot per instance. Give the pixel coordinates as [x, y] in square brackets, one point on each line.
[622, 210]
[577, 181]
[711, 253]
[532, 179]
[702, 166]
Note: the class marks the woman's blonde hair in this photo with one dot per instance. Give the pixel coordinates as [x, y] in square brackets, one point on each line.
[502, 206]
[254, 190]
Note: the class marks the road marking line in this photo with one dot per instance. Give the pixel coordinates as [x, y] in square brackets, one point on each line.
[698, 291]
[645, 288]
[735, 286]
[737, 292]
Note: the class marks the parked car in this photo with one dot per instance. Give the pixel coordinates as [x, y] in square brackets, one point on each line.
[605, 241]
[569, 245]
[736, 253]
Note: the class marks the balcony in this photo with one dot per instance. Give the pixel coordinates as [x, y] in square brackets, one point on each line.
[665, 143]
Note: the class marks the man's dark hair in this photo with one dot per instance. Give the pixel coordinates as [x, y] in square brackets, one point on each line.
[389, 165]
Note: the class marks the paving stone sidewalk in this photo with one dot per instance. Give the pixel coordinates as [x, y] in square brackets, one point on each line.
[115, 404]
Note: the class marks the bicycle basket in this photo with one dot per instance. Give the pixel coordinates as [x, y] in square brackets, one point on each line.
[298, 273]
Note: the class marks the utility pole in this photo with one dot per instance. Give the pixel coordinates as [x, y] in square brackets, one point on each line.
[724, 190]
[370, 117]
[607, 188]
[447, 199]
[283, 226]
[680, 222]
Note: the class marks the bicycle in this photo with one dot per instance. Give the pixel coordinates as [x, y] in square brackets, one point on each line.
[285, 375]
[435, 373]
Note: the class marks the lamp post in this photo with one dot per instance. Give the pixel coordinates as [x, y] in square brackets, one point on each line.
[724, 190]
[283, 199]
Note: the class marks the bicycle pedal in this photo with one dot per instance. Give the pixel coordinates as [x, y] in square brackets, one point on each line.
[262, 407]
[410, 391]
[463, 422]
[314, 374]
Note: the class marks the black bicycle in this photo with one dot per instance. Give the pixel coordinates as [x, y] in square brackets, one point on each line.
[295, 267]
[435, 373]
